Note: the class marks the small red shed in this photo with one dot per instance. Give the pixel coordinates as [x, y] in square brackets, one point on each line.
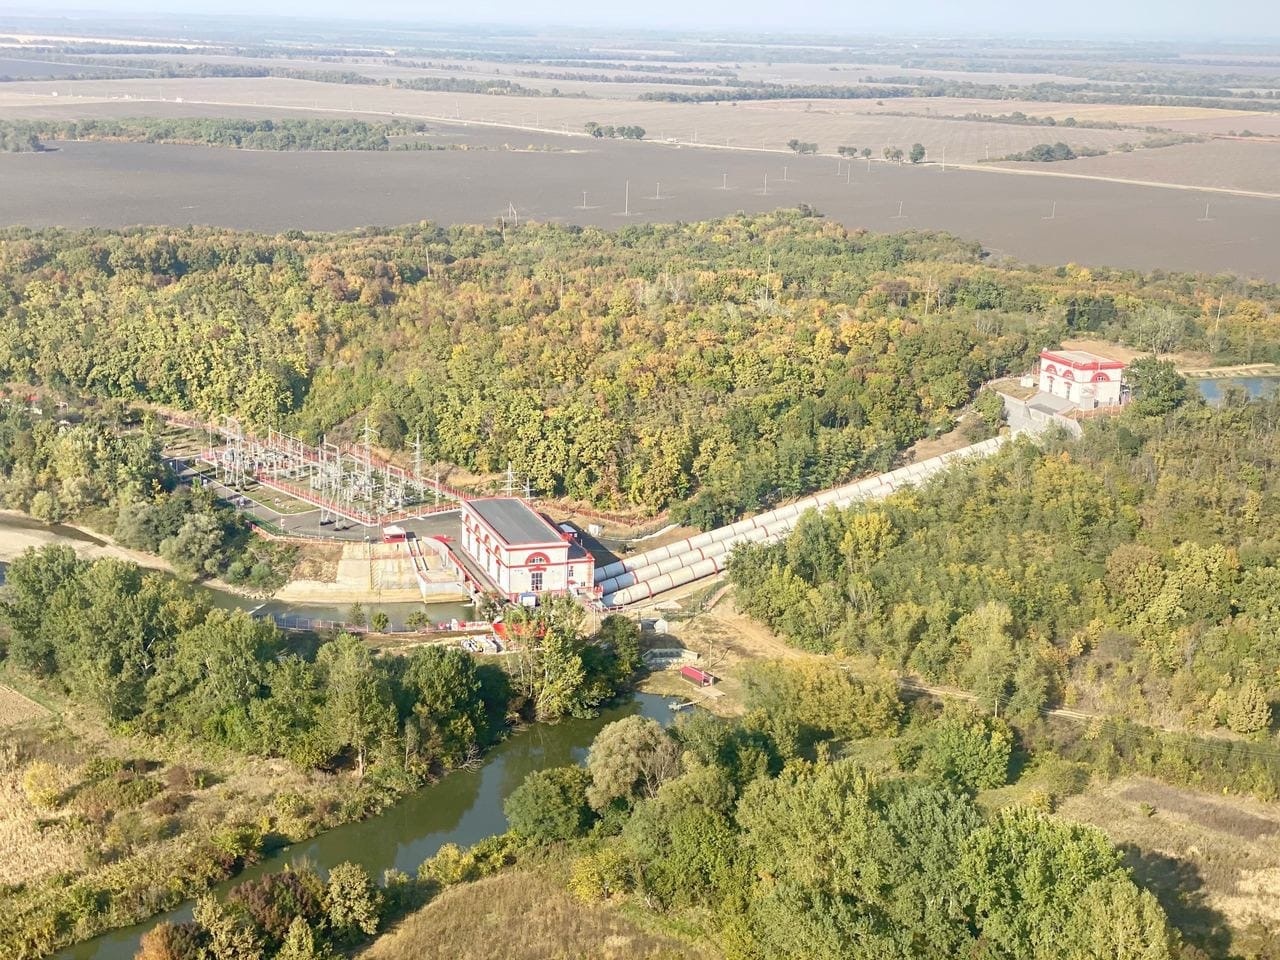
[697, 677]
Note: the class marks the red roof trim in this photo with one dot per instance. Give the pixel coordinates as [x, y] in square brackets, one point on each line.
[1100, 363]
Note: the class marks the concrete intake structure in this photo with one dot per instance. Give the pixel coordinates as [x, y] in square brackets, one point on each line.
[655, 571]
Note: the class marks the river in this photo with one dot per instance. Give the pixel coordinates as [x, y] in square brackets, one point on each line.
[463, 808]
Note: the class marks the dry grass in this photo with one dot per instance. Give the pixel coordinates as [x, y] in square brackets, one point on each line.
[32, 847]
[1185, 360]
[1214, 861]
[317, 561]
[16, 709]
[525, 916]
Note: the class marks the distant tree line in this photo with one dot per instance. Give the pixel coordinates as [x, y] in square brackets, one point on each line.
[799, 146]
[611, 132]
[489, 85]
[19, 136]
[754, 90]
[1052, 152]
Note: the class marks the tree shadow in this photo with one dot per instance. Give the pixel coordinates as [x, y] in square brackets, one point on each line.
[1179, 888]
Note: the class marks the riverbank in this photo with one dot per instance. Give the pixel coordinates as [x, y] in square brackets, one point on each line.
[462, 808]
[20, 532]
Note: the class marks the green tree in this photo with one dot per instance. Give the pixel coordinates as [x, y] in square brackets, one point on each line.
[1156, 386]
[1026, 876]
[549, 805]
[33, 581]
[228, 931]
[621, 635]
[630, 758]
[357, 712]
[1114, 920]
[1250, 708]
[301, 943]
[967, 749]
[442, 694]
[197, 546]
[989, 669]
[917, 152]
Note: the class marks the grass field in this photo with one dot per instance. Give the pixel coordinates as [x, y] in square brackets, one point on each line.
[525, 916]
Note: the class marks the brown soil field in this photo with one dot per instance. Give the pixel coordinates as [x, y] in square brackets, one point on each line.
[1210, 860]
[1097, 223]
[16, 709]
[1222, 164]
[525, 916]
[1231, 122]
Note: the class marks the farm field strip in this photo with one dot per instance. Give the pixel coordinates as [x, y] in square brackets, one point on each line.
[16, 708]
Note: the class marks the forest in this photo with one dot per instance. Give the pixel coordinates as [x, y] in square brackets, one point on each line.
[1134, 572]
[22, 136]
[712, 367]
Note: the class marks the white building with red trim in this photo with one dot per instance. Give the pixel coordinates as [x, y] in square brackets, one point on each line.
[520, 551]
[1085, 379]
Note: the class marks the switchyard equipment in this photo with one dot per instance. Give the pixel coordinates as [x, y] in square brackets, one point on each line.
[345, 481]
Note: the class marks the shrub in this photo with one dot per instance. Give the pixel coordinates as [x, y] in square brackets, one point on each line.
[170, 941]
[274, 900]
[42, 785]
[600, 875]
[238, 844]
[354, 904]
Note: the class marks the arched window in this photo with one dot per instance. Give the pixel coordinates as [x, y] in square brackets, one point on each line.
[537, 560]
[1101, 377]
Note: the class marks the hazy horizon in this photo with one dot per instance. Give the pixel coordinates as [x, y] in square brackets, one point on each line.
[1248, 20]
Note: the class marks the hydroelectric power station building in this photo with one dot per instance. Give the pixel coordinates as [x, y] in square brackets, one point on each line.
[521, 552]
